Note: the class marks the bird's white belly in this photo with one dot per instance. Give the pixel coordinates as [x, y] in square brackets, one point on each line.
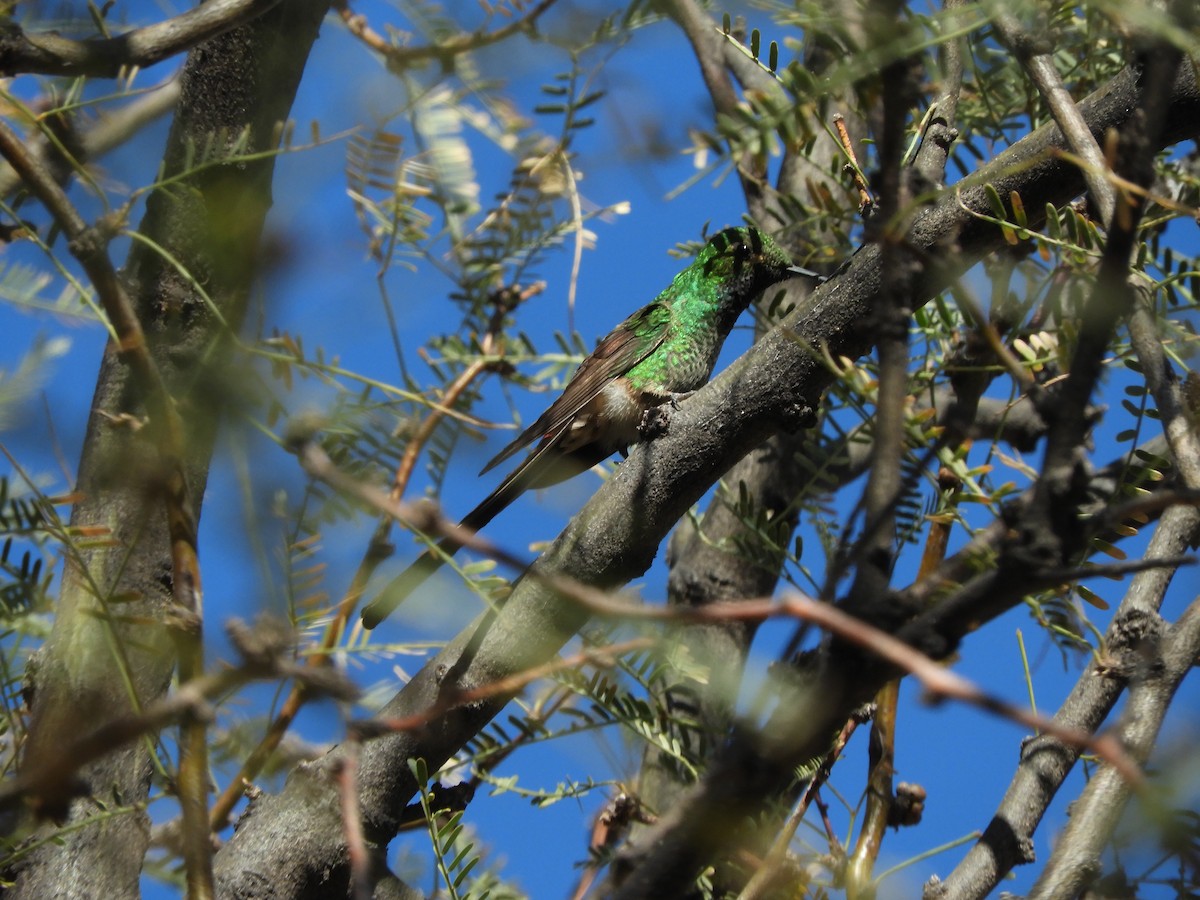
[612, 416]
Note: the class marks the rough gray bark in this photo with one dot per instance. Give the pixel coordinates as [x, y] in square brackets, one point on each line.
[245, 78]
[296, 834]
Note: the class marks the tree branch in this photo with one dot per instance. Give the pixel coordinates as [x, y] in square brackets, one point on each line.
[1037, 56]
[1075, 861]
[48, 53]
[1045, 760]
[705, 563]
[401, 56]
[709, 50]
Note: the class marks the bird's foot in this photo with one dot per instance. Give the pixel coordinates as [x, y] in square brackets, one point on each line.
[653, 423]
[655, 419]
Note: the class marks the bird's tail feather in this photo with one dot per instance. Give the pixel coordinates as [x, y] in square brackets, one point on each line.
[540, 469]
[398, 589]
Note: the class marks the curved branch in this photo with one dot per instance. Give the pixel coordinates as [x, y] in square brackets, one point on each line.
[465, 43]
[47, 53]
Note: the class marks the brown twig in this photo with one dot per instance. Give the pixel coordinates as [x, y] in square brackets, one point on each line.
[316, 462]
[880, 792]
[346, 775]
[708, 45]
[377, 550]
[938, 681]
[300, 694]
[416, 443]
[414, 446]
[110, 130]
[402, 56]
[874, 552]
[608, 829]
[1111, 300]
[265, 655]
[761, 882]
[865, 200]
[836, 851]
[991, 336]
[46, 782]
[598, 656]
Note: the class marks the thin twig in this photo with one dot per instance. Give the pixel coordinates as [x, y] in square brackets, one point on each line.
[402, 56]
[880, 795]
[265, 657]
[110, 130]
[316, 462]
[501, 687]
[346, 774]
[874, 552]
[764, 876]
[375, 553]
[865, 200]
[937, 680]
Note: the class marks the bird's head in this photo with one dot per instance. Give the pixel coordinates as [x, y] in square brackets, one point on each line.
[745, 261]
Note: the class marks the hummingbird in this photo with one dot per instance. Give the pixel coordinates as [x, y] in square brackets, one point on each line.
[659, 355]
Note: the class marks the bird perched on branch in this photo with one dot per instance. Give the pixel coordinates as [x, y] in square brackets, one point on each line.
[661, 353]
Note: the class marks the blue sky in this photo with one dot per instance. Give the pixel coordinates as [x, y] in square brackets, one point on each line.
[327, 292]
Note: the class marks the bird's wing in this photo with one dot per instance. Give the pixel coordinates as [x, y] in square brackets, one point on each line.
[622, 349]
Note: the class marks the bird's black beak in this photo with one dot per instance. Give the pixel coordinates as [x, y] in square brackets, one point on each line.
[807, 273]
